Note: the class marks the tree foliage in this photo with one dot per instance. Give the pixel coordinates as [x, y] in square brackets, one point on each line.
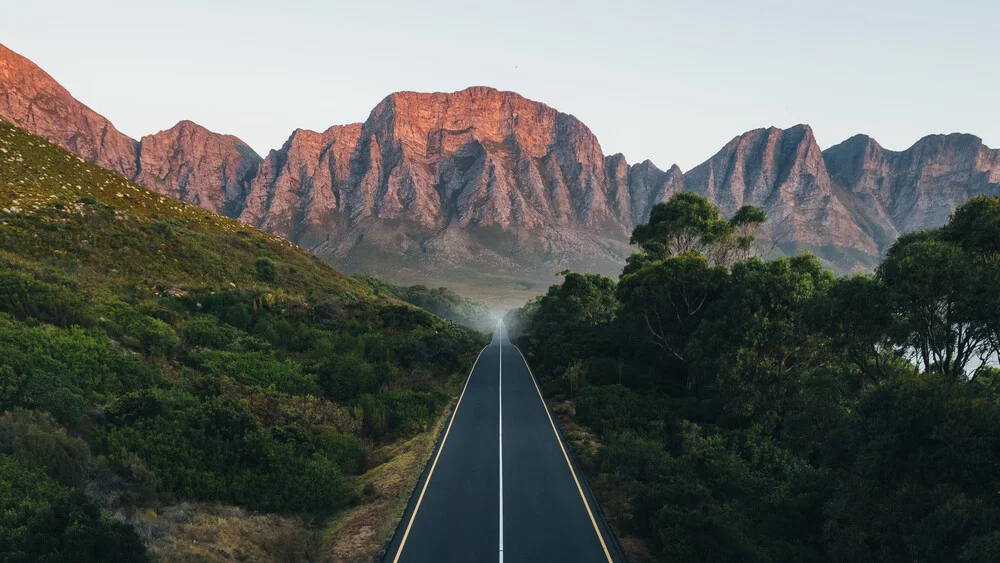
[752, 410]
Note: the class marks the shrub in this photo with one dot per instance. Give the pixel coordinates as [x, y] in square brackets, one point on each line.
[343, 449]
[153, 336]
[38, 442]
[265, 270]
[258, 368]
[41, 521]
[217, 450]
[207, 331]
[23, 296]
[345, 377]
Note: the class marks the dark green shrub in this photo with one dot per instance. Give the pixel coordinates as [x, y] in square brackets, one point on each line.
[38, 442]
[40, 521]
[217, 450]
[265, 270]
[152, 335]
[343, 449]
[258, 368]
[345, 377]
[207, 331]
[23, 296]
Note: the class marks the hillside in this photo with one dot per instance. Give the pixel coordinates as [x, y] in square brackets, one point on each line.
[441, 301]
[178, 385]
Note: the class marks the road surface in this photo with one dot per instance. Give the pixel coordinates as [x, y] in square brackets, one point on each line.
[500, 483]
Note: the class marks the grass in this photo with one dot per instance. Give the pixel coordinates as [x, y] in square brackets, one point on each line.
[362, 531]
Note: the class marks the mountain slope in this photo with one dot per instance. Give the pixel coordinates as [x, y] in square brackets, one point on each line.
[233, 386]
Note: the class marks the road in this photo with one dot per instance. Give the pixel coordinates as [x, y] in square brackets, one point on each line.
[500, 483]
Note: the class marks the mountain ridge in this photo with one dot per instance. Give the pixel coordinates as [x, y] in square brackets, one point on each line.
[431, 185]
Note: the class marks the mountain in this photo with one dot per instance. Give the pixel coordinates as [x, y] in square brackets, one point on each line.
[493, 193]
[914, 189]
[193, 164]
[34, 101]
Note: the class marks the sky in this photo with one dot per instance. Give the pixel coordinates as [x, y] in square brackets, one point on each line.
[661, 80]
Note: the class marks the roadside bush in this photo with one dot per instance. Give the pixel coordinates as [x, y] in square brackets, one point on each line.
[216, 450]
[343, 449]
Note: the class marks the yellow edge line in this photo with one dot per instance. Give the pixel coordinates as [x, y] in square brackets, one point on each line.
[566, 456]
[420, 499]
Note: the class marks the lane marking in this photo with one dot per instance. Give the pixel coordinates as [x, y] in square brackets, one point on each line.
[430, 474]
[500, 385]
[566, 457]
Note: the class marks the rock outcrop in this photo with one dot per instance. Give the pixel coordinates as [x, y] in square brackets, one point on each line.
[916, 188]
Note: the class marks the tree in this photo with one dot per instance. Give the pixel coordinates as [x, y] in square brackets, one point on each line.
[758, 343]
[665, 301]
[689, 222]
[857, 315]
[935, 289]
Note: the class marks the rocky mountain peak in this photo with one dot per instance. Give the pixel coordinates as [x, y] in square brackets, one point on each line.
[193, 164]
[33, 100]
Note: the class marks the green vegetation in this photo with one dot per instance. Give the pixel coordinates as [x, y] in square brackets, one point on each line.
[441, 301]
[751, 410]
[154, 354]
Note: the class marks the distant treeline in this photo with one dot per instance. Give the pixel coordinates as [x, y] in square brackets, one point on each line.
[766, 410]
[441, 301]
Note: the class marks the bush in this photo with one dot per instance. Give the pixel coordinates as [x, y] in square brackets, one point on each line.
[24, 297]
[343, 378]
[387, 415]
[207, 331]
[39, 443]
[217, 450]
[153, 336]
[265, 270]
[41, 521]
[343, 449]
[258, 368]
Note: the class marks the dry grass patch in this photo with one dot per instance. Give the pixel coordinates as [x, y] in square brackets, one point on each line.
[360, 532]
[208, 532]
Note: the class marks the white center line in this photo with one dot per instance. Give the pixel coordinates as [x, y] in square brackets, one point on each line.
[500, 386]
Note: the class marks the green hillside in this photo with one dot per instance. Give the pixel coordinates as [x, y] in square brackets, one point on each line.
[441, 301]
[159, 364]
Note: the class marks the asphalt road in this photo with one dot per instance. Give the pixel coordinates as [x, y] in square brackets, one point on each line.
[500, 484]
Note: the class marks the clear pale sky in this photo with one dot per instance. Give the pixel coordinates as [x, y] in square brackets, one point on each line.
[668, 81]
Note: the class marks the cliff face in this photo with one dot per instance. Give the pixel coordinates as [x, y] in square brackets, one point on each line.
[438, 187]
[193, 164]
[783, 172]
[299, 189]
[916, 188]
[32, 100]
